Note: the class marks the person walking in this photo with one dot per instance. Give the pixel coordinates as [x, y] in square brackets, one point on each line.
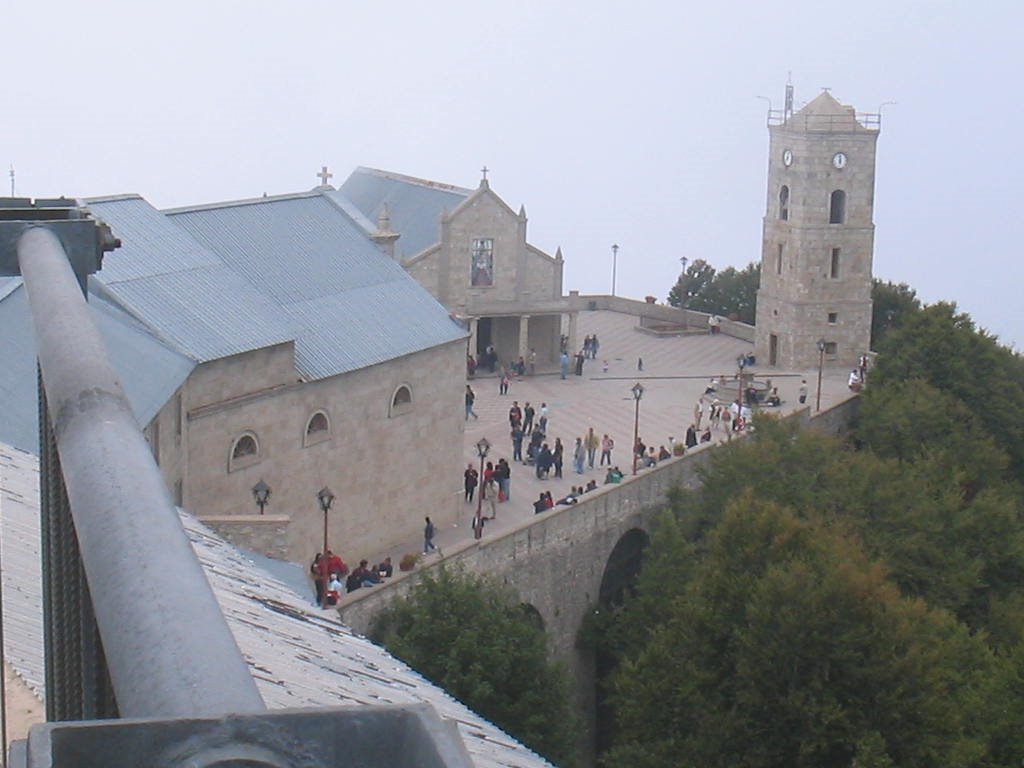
[591, 444]
[577, 456]
[563, 364]
[428, 537]
[803, 391]
[470, 399]
[606, 450]
[528, 413]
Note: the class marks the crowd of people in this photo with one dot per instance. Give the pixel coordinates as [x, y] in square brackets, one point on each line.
[328, 570]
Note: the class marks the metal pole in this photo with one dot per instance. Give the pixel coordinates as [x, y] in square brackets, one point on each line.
[325, 533]
[168, 647]
[480, 485]
[636, 431]
[821, 363]
[615, 259]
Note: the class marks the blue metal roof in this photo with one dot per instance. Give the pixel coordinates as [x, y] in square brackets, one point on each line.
[150, 371]
[414, 205]
[180, 290]
[349, 306]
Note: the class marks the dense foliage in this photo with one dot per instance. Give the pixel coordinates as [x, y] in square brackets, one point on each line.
[729, 292]
[472, 637]
[818, 603]
[892, 304]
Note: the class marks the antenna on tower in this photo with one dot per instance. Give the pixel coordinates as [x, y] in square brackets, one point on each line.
[787, 109]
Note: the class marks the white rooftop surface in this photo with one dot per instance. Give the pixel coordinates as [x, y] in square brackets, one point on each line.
[299, 658]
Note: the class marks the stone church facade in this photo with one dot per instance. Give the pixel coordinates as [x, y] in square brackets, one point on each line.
[470, 250]
[815, 294]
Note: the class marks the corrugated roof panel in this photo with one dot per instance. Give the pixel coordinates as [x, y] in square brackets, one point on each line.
[181, 290]
[150, 245]
[291, 249]
[299, 655]
[149, 370]
[414, 205]
[346, 333]
[348, 304]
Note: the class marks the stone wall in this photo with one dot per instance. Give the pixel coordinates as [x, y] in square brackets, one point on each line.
[267, 534]
[658, 313]
[363, 456]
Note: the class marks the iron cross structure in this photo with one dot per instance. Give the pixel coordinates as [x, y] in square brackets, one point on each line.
[324, 175]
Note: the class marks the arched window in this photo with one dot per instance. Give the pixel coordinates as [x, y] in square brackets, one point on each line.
[245, 451]
[401, 400]
[318, 429]
[784, 203]
[837, 207]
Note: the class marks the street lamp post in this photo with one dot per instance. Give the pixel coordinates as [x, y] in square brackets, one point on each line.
[261, 492]
[638, 392]
[615, 259]
[684, 299]
[741, 362]
[821, 364]
[482, 449]
[326, 499]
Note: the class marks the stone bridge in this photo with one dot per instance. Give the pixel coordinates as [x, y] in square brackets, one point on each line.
[569, 560]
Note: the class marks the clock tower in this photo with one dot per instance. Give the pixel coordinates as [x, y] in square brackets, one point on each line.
[816, 255]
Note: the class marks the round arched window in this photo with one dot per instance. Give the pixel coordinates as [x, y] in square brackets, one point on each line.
[245, 446]
[401, 400]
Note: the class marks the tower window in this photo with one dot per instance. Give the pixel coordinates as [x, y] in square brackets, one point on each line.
[778, 260]
[833, 269]
[784, 203]
[833, 318]
[837, 207]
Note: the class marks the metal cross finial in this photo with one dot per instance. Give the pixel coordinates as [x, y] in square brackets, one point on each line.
[484, 172]
[324, 175]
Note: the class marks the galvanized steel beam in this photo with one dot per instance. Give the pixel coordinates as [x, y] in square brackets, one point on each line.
[168, 647]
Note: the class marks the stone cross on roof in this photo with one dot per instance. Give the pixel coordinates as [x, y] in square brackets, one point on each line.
[484, 172]
[324, 175]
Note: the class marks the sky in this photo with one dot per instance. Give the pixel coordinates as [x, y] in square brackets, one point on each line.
[640, 124]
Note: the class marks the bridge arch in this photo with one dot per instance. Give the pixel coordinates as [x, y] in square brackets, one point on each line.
[622, 567]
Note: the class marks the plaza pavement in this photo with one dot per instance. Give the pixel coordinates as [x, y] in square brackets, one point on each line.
[676, 372]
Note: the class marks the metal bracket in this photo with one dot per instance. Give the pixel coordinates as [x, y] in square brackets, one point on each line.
[85, 239]
[390, 737]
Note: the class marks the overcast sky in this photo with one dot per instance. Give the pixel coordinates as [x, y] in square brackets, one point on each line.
[632, 123]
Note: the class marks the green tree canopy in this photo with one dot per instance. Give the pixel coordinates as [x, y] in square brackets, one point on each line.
[789, 647]
[892, 304]
[943, 348]
[472, 637]
[727, 292]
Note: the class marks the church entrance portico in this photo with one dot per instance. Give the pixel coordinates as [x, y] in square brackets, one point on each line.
[514, 336]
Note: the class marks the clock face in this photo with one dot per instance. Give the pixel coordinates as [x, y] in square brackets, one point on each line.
[787, 157]
[839, 160]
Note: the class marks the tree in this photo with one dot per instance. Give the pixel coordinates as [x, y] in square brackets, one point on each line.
[729, 292]
[891, 304]
[789, 647]
[942, 347]
[471, 636]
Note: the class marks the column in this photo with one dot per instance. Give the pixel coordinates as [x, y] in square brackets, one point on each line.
[524, 336]
[472, 336]
[572, 348]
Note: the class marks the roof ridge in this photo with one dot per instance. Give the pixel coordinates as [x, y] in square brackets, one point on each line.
[241, 202]
[413, 180]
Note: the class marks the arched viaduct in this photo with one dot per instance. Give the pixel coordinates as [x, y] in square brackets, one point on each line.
[560, 561]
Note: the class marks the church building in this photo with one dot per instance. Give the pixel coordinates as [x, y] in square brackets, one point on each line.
[814, 301]
[469, 249]
[270, 340]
